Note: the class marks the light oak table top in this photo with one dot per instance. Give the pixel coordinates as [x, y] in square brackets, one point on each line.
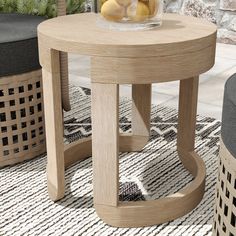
[80, 33]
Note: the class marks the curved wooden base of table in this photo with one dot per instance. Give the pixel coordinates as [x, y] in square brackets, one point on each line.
[153, 212]
[105, 111]
[82, 149]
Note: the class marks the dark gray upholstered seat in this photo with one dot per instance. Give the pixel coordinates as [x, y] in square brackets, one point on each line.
[18, 43]
[228, 130]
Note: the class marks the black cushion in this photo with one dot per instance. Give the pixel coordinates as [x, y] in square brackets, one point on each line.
[228, 130]
[18, 43]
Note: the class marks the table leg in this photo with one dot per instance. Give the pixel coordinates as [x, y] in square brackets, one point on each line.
[188, 95]
[54, 127]
[141, 110]
[105, 143]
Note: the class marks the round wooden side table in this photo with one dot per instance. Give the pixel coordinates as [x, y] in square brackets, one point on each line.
[181, 49]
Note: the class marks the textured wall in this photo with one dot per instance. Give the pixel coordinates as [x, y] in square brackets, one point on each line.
[221, 12]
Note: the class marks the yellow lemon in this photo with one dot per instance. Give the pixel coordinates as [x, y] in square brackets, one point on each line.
[138, 13]
[153, 7]
[102, 2]
[112, 11]
[124, 3]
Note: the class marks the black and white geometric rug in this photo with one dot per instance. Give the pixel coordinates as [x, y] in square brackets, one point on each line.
[156, 171]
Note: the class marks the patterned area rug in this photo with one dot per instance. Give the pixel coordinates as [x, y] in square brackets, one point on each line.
[156, 171]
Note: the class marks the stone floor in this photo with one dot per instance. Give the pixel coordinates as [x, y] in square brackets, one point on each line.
[210, 90]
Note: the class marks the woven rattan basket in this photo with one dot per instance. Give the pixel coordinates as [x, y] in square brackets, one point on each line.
[225, 204]
[21, 118]
[21, 111]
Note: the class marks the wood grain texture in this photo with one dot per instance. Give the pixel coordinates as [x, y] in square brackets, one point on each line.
[81, 34]
[105, 118]
[77, 151]
[47, 58]
[53, 124]
[188, 95]
[153, 69]
[82, 149]
[146, 213]
[65, 81]
[182, 48]
[132, 143]
[141, 109]
[153, 212]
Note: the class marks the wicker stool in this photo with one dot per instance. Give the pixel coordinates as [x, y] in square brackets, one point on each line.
[21, 114]
[22, 133]
[225, 209]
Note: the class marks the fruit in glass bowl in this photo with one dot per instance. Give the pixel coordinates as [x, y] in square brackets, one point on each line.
[129, 10]
[112, 10]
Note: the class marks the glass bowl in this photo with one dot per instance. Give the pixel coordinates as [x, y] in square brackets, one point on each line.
[129, 14]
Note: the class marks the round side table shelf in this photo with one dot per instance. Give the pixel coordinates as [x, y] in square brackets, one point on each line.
[181, 49]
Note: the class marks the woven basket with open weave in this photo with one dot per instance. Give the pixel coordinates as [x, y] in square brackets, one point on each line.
[225, 204]
[21, 115]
